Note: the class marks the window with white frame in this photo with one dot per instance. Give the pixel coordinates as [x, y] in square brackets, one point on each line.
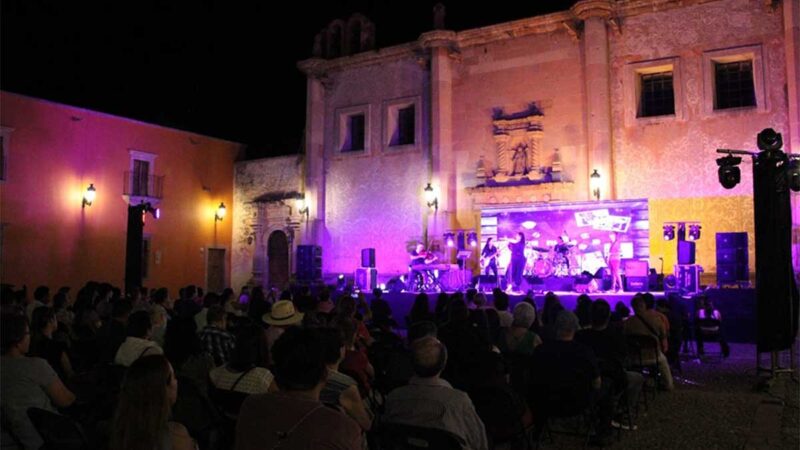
[733, 80]
[353, 130]
[140, 181]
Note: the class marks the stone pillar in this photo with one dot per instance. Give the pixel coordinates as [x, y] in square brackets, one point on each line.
[259, 249]
[791, 33]
[314, 179]
[442, 163]
[596, 73]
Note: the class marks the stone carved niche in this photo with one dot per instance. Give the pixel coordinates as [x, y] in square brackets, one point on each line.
[517, 139]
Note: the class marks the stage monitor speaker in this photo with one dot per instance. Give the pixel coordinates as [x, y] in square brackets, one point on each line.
[366, 278]
[395, 285]
[686, 252]
[309, 263]
[635, 268]
[637, 283]
[367, 257]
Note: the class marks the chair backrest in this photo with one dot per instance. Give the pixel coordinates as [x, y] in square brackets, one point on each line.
[709, 327]
[500, 410]
[229, 402]
[395, 436]
[58, 432]
[642, 349]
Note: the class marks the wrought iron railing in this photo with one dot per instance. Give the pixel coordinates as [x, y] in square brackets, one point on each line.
[140, 185]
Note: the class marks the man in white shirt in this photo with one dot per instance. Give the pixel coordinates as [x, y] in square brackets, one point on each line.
[138, 343]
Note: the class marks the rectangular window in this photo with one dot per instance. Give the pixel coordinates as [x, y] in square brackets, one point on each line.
[141, 172]
[355, 133]
[657, 96]
[145, 256]
[733, 85]
[404, 133]
[2, 158]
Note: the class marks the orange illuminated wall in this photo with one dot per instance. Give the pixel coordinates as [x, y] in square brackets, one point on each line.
[53, 152]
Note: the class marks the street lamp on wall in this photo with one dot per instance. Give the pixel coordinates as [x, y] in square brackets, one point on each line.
[89, 195]
[302, 207]
[430, 197]
[220, 214]
[594, 184]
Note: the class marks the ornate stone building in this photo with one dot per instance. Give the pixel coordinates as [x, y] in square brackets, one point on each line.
[521, 113]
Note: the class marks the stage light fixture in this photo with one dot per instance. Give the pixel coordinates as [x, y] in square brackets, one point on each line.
[89, 196]
[430, 197]
[729, 173]
[450, 239]
[472, 238]
[669, 232]
[694, 232]
[220, 214]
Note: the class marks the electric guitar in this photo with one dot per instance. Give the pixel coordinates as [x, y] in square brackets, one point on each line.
[487, 260]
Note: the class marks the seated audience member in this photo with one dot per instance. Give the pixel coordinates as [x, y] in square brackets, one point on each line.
[566, 367]
[159, 320]
[650, 303]
[62, 303]
[141, 421]
[645, 322]
[355, 362]
[244, 372]
[519, 339]
[185, 351]
[421, 330]
[218, 342]
[348, 309]
[621, 312]
[537, 326]
[113, 333]
[138, 342]
[41, 297]
[608, 344]
[44, 346]
[420, 310]
[280, 318]
[703, 327]
[294, 418]
[463, 341]
[485, 317]
[258, 305]
[442, 308]
[341, 391]
[27, 382]
[501, 306]
[583, 311]
[381, 309]
[429, 401]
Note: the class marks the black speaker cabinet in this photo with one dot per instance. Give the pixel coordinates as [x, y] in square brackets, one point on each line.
[309, 263]
[732, 258]
[686, 252]
[367, 257]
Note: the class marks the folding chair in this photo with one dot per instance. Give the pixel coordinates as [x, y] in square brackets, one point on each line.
[395, 436]
[57, 431]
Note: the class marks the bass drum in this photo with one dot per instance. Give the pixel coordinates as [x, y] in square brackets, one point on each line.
[542, 268]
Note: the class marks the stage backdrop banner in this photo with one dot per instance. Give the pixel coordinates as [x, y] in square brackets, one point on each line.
[585, 225]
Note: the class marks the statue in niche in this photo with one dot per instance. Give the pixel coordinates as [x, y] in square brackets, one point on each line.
[520, 160]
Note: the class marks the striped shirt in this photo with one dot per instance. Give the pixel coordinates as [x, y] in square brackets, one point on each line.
[337, 383]
[256, 381]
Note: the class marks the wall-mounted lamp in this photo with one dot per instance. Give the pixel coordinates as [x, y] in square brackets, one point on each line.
[89, 195]
[430, 197]
[302, 207]
[594, 184]
[220, 214]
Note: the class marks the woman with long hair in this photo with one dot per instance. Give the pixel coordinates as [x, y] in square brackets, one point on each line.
[421, 310]
[44, 346]
[141, 421]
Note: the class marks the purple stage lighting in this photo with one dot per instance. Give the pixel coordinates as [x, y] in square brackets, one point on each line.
[472, 238]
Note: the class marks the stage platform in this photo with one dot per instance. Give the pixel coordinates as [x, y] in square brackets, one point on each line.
[737, 306]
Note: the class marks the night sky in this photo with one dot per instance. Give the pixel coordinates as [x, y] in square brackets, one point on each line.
[205, 66]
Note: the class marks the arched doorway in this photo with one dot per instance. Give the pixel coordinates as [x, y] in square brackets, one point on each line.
[278, 259]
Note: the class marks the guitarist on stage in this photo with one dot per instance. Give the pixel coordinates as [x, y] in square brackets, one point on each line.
[489, 257]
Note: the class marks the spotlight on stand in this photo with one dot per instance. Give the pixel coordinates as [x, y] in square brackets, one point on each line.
[694, 232]
[472, 239]
[729, 174]
[669, 232]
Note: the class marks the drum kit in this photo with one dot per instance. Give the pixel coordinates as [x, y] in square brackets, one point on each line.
[561, 260]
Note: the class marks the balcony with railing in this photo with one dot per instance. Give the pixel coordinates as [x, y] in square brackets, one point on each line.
[138, 187]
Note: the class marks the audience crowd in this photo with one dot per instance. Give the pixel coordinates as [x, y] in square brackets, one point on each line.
[297, 370]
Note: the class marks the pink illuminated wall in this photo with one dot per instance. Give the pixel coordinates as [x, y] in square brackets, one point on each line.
[56, 151]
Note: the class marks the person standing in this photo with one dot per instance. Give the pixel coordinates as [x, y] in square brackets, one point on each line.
[517, 260]
[614, 261]
[489, 257]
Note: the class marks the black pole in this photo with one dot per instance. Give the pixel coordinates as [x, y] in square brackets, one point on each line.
[133, 251]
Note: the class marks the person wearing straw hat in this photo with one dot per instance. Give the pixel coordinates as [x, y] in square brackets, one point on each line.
[281, 317]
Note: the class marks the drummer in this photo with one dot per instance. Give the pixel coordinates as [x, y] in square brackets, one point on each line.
[563, 247]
